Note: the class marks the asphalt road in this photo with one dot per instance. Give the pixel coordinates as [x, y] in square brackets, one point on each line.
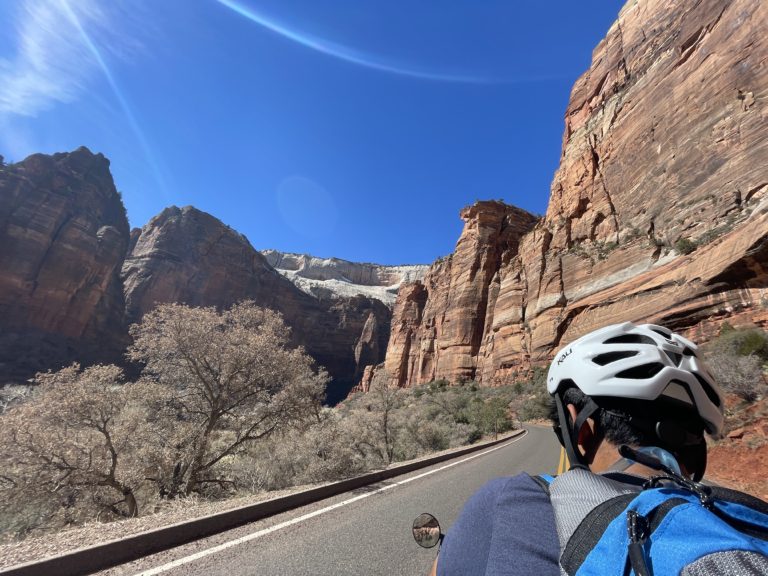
[364, 532]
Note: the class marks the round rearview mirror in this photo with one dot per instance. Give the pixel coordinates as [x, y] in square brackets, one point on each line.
[426, 530]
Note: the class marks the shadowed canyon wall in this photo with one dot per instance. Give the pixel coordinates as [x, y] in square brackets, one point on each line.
[63, 237]
[72, 277]
[186, 255]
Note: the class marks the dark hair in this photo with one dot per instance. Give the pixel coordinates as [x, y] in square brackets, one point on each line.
[614, 424]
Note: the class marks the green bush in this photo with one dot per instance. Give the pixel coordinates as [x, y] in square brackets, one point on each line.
[605, 248]
[535, 408]
[715, 233]
[685, 246]
[736, 360]
[490, 416]
[532, 400]
[744, 342]
[474, 436]
[437, 385]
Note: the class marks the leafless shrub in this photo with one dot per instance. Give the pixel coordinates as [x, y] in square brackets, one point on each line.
[742, 375]
[12, 394]
[328, 450]
[79, 446]
[223, 405]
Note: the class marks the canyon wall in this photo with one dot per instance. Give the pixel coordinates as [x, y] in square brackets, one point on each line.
[328, 278]
[186, 255]
[63, 237]
[73, 278]
[439, 324]
[658, 211]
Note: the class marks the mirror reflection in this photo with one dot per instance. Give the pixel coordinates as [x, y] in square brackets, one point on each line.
[426, 530]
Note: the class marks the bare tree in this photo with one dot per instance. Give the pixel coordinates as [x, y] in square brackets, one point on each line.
[232, 380]
[80, 436]
[383, 399]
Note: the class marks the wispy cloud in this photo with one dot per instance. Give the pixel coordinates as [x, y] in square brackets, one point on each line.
[51, 63]
[353, 55]
[62, 47]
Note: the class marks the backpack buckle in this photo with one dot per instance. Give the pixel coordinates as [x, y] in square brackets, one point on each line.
[704, 493]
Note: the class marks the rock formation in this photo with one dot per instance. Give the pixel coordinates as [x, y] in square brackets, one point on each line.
[439, 323]
[332, 277]
[658, 211]
[186, 255]
[72, 276]
[63, 237]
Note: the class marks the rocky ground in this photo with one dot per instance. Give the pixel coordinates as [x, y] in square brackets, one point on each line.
[741, 459]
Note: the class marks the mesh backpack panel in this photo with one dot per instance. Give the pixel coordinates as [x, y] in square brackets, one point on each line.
[606, 527]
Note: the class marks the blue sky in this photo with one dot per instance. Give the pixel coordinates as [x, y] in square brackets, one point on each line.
[347, 128]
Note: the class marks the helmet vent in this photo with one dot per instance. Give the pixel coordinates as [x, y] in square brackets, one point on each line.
[631, 339]
[711, 394]
[667, 335]
[675, 357]
[641, 372]
[688, 352]
[608, 357]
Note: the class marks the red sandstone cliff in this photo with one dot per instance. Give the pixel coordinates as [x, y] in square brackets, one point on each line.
[63, 237]
[439, 324]
[665, 150]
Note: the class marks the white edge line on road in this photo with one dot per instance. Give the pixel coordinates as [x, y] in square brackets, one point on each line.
[276, 527]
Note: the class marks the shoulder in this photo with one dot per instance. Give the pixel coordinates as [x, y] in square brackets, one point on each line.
[496, 494]
[500, 492]
[508, 522]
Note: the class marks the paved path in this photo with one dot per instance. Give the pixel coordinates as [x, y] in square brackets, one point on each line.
[366, 531]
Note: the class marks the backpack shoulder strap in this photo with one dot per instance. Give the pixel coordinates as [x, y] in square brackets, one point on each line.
[576, 493]
[543, 480]
[730, 495]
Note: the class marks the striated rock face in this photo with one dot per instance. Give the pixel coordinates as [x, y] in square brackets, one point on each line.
[439, 323]
[658, 211]
[332, 277]
[63, 237]
[186, 255]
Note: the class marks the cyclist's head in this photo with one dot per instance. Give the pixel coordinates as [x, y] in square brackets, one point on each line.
[643, 386]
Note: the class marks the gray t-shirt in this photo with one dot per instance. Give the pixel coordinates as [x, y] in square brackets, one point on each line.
[506, 528]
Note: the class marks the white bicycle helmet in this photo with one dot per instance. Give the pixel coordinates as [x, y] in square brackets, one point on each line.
[644, 362]
[641, 362]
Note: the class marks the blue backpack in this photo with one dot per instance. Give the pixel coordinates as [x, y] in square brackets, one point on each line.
[616, 524]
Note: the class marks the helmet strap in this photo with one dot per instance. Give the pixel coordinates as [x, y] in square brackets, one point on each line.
[570, 432]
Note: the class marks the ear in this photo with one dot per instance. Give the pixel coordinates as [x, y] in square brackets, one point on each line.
[586, 440]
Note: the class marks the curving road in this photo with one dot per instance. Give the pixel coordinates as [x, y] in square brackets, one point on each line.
[366, 531]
